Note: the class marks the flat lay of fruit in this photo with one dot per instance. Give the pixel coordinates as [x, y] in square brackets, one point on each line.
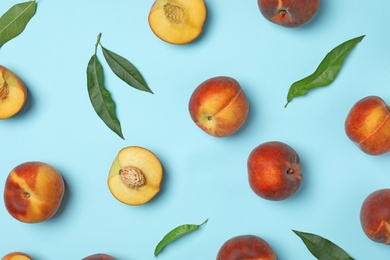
[194, 129]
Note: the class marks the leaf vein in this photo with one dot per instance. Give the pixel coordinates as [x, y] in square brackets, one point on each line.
[17, 17]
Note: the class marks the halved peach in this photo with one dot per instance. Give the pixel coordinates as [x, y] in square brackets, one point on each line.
[177, 21]
[135, 176]
[13, 93]
[16, 256]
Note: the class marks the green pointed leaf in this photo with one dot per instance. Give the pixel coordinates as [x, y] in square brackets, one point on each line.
[326, 71]
[125, 70]
[175, 234]
[100, 97]
[322, 248]
[15, 20]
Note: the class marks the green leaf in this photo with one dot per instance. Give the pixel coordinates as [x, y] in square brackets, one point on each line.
[15, 20]
[322, 248]
[125, 70]
[326, 71]
[100, 97]
[175, 234]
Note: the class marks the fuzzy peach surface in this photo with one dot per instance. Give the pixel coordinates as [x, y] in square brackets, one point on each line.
[219, 106]
[368, 125]
[33, 192]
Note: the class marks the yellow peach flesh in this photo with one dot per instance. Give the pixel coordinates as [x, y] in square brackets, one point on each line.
[16, 256]
[20, 257]
[147, 163]
[12, 93]
[177, 21]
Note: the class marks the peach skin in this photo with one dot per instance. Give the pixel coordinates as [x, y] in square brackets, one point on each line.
[219, 106]
[99, 257]
[274, 171]
[288, 13]
[368, 125]
[375, 216]
[246, 247]
[33, 192]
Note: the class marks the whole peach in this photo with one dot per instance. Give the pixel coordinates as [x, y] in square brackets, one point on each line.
[274, 171]
[375, 216]
[99, 257]
[368, 125]
[16, 256]
[219, 106]
[33, 192]
[288, 13]
[246, 247]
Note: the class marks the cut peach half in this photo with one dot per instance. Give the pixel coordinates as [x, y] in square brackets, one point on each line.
[135, 176]
[177, 21]
[13, 93]
[16, 256]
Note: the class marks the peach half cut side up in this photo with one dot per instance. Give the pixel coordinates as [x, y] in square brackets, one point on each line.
[135, 176]
[177, 21]
[13, 93]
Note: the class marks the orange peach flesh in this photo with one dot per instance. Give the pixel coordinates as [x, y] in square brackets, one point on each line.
[177, 21]
[13, 93]
[33, 192]
[146, 163]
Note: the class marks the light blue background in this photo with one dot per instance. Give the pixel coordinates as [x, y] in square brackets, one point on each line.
[205, 177]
